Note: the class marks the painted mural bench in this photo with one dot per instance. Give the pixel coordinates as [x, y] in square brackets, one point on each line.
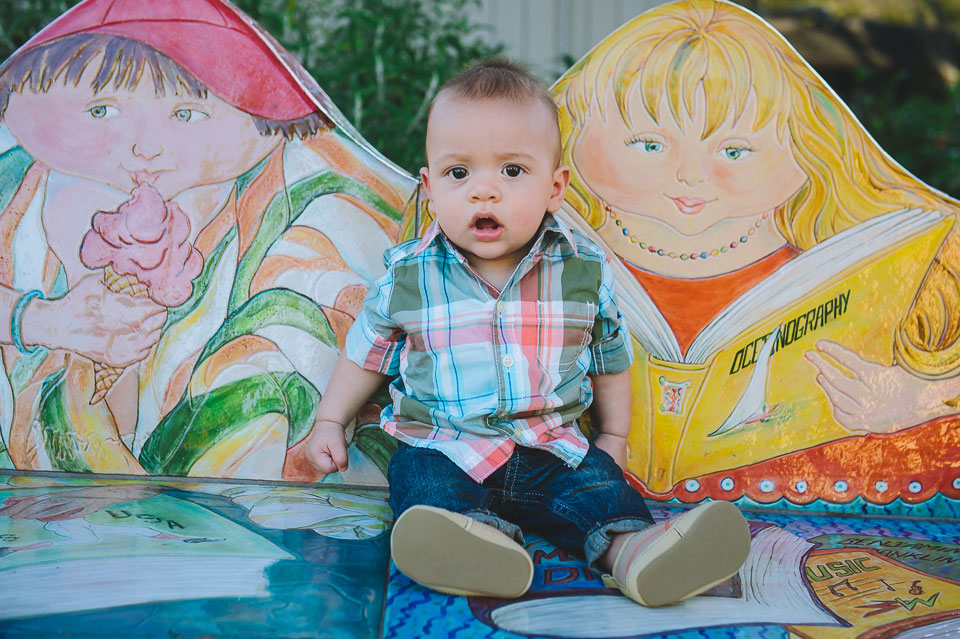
[187, 237]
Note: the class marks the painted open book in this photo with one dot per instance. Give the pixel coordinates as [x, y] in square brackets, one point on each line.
[743, 388]
[771, 590]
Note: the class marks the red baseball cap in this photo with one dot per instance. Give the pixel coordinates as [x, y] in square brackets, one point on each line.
[216, 42]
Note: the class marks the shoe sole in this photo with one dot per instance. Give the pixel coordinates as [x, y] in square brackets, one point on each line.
[431, 547]
[710, 549]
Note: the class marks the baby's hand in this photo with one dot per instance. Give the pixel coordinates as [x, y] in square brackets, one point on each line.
[94, 322]
[327, 447]
[613, 445]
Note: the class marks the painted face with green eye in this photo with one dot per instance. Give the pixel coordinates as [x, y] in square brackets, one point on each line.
[114, 135]
[671, 185]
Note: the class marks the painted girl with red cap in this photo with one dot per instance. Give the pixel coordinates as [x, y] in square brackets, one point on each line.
[279, 208]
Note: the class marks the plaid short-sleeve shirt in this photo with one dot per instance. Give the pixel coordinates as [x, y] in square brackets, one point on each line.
[483, 370]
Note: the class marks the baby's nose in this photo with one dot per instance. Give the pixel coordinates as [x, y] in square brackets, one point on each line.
[484, 190]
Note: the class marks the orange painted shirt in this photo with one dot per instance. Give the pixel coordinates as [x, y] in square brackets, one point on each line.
[688, 305]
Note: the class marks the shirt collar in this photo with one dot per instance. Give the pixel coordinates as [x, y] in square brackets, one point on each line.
[550, 225]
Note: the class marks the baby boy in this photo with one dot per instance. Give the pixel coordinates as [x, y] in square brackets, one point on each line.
[503, 328]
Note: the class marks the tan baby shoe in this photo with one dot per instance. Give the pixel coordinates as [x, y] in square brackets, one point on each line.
[682, 557]
[455, 554]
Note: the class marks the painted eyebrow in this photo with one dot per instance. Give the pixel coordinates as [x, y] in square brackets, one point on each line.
[99, 100]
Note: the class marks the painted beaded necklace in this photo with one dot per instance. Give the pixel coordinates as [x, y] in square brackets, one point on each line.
[702, 255]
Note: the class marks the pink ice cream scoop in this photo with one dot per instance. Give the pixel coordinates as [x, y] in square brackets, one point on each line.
[147, 238]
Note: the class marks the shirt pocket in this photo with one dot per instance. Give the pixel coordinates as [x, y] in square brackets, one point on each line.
[563, 334]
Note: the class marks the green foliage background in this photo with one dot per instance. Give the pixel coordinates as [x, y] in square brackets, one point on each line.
[381, 62]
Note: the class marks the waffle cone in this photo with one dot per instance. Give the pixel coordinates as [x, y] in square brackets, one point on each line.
[106, 376]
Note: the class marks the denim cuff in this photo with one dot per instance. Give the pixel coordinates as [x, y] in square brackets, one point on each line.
[486, 517]
[600, 539]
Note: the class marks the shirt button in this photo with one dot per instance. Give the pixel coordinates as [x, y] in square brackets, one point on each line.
[501, 307]
[507, 361]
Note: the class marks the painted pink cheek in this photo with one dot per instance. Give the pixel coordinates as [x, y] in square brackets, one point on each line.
[600, 166]
[728, 178]
[81, 136]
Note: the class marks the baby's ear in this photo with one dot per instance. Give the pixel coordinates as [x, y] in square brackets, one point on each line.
[561, 180]
[425, 179]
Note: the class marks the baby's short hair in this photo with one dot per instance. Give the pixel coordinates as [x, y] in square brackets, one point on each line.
[500, 79]
[123, 65]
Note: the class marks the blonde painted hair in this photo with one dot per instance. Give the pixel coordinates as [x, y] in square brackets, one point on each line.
[673, 49]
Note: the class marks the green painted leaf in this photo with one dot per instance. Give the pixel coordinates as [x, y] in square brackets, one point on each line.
[14, 164]
[196, 424]
[55, 427]
[273, 307]
[201, 283]
[275, 220]
[302, 399]
[377, 445]
[25, 367]
[282, 212]
[244, 180]
[6, 463]
[308, 189]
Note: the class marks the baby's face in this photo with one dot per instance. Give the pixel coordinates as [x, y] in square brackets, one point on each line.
[116, 135]
[492, 175]
[666, 172]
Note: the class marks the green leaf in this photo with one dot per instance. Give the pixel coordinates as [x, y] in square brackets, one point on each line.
[201, 283]
[273, 307]
[6, 463]
[275, 221]
[282, 212]
[56, 429]
[195, 425]
[14, 164]
[302, 399]
[377, 445]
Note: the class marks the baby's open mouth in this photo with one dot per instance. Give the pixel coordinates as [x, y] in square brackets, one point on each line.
[486, 224]
[486, 228]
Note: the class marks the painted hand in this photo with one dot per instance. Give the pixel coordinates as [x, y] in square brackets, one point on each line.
[873, 398]
[74, 504]
[90, 320]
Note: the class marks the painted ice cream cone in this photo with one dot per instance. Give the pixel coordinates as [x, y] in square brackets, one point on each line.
[106, 376]
[144, 250]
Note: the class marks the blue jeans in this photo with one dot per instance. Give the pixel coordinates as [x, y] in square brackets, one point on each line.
[578, 510]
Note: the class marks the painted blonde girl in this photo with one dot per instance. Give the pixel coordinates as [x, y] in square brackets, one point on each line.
[707, 154]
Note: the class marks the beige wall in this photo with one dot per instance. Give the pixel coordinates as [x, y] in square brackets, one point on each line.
[540, 32]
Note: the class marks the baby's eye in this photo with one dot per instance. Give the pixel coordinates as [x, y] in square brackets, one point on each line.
[512, 170]
[101, 111]
[188, 115]
[646, 145]
[457, 173]
[736, 152]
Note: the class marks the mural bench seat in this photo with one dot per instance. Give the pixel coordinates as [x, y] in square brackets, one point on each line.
[186, 237]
